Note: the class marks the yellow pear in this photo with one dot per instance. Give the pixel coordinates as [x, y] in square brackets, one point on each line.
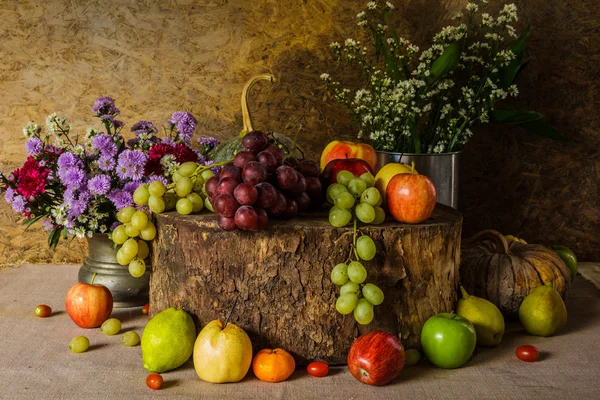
[485, 317]
[222, 353]
[386, 173]
[543, 311]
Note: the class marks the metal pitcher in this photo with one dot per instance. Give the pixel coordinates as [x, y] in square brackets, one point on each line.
[442, 169]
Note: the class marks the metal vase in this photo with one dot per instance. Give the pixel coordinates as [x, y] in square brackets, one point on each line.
[441, 168]
[101, 260]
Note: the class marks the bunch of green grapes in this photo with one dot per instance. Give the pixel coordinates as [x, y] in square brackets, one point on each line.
[188, 193]
[132, 235]
[354, 195]
[356, 295]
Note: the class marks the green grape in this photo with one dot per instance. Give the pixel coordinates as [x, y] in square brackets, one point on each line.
[198, 184]
[176, 177]
[380, 202]
[143, 250]
[356, 272]
[373, 294]
[187, 169]
[368, 178]
[346, 303]
[350, 287]
[139, 220]
[344, 200]
[365, 247]
[170, 201]
[197, 202]
[339, 274]
[184, 206]
[411, 357]
[130, 248]
[149, 232]
[365, 213]
[184, 186]
[79, 344]
[119, 236]
[111, 326]
[344, 177]
[208, 205]
[371, 196]
[156, 204]
[137, 267]
[334, 190]
[206, 174]
[131, 230]
[122, 259]
[357, 186]
[156, 188]
[363, 313]
[339, 218]
[130, 338]
[141, 194]
[124, 214]
[379, 216]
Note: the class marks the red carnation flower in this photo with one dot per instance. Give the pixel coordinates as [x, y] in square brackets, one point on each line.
[31, 178]
[181, 152]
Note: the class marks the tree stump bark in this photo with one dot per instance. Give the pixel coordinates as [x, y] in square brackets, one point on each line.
[282, 278]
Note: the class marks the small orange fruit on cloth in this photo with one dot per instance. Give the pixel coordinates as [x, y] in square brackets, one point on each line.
[273, 365]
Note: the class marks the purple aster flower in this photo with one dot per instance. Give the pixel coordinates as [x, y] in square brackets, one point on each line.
[105, 105]
[106, 117]
[72, 177]
[133, 142]
[34, 146]
[215, 170]
[69, 160]
[114, 225]
[18, 203]
[144, 127]
[99, 185]
[131, 164]
[9, 195]
[120, 198]
[185, 123]
[208, 142]
[118, 124]
[48, 224]
[160, 178]
[76, 209]
[131, 186]
[201, 158]
[69, 195]
[168, 141]
[85, 195]
[105, 144]
[70, 224]
[106, 163]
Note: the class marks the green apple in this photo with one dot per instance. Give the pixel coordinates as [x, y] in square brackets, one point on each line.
[448, 340]
[222, 353]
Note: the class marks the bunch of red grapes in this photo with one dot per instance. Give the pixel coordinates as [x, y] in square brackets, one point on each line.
[261, 183]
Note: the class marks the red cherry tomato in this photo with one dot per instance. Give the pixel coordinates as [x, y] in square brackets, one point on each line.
[527, 353]
[318, 369]
[146, 309]
[154, 381]
[43, 311]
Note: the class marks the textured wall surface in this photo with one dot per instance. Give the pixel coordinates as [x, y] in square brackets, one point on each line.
[156, 57]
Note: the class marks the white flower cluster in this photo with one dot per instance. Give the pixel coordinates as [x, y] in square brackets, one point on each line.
[57, 124]
[31, 130]
[169, 164]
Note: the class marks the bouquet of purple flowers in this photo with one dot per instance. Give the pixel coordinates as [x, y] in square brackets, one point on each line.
[77, 185]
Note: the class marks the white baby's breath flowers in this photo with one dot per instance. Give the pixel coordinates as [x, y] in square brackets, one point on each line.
[372, 5]
[31, 130]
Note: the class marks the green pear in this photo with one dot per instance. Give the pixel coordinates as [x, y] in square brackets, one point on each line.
[543, 311]
[485, 317]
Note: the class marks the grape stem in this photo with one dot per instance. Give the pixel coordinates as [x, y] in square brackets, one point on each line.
[354, 241]
[199, 169]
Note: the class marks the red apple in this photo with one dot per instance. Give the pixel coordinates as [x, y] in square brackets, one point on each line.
[376, 358]
[354, 165]
[89, 305]
[411, 198]
[341, 149]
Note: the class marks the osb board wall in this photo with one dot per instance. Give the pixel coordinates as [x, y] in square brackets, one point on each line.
[156, 57]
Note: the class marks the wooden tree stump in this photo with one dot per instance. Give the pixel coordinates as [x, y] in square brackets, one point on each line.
[282, 278]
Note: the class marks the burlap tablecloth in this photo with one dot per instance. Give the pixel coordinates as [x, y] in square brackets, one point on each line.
[35, 362]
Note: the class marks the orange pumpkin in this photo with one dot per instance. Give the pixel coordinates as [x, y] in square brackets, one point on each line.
[273, 365]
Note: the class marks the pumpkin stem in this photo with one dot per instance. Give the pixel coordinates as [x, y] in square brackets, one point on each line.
[464, 292]
[497, 237]
[246, 117]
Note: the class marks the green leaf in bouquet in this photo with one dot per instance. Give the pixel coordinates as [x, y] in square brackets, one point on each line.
[542, 129]
[31, 221]
[507, 74]
[446, 62]
[513, 116]
[54, 237]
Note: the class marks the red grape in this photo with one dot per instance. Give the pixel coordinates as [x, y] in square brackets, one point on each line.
[309, 168]
[267, 159]
[286, 177]
[292, 162]
[291, 210]
[303, 201]
[227, 224]
[263, 218]
[231, 171]
[279, 207]
[254, 141]
[227, 186]
[225, 205]
[314, 189]
[245, 194]
[277, 152]
[246, 218]
[254, 172]
[212, 187]
[300, 185]
[242, 158]
[267, 195]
